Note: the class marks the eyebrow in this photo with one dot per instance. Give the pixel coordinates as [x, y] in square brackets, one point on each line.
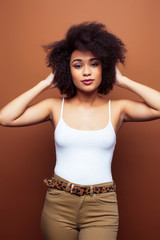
[80, 60]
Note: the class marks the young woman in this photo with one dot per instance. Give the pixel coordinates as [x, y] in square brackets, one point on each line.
[81, 200]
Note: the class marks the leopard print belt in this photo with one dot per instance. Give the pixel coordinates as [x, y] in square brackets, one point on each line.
[78, 190]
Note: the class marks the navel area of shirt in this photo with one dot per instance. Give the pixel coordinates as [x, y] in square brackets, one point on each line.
[84, 157]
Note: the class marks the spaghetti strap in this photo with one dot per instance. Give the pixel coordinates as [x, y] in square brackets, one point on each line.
[62, 107]
[109, 110]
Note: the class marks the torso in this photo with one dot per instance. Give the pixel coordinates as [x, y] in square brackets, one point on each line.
[89, 118]
[85, 140]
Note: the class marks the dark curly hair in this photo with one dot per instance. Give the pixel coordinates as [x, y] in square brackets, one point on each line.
[87, 36]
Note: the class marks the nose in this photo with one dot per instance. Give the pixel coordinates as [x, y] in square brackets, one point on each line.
[86, 70]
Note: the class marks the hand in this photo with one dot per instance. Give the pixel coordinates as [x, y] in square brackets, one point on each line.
[49, 81]
[119, 78]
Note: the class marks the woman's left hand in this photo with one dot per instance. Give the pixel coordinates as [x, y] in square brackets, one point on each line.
[119, 78]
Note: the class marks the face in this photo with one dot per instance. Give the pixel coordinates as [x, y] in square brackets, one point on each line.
[86, 71]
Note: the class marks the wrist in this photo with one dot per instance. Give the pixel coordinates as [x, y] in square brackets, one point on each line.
[124, 81]
[127, 83]
[43, 84]
[121, 81]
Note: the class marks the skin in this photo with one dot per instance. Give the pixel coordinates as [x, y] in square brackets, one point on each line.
[84, 65]
[87, 105]
[87, 110]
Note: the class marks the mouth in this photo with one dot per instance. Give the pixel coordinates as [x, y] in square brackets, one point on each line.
[87, 81]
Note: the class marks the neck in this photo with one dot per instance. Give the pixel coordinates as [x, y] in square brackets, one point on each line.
[87, 98]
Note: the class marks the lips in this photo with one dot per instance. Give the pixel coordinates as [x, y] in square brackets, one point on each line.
[88, 81]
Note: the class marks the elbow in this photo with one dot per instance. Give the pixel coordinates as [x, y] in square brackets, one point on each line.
[4, 121]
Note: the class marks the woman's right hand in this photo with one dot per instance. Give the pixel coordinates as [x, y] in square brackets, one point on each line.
[49, 81]
[19, 113]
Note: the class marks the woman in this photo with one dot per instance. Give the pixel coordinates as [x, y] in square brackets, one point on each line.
[81, 200]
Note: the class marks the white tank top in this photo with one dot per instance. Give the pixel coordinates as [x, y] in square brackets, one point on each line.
[84, 157]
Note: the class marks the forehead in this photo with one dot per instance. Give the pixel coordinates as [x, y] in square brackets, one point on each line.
[86, 55]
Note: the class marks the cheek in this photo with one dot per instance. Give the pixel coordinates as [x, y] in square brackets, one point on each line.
[75, 75]
[98, 74]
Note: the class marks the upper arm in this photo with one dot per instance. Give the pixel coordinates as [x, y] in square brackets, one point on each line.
[137, 111]
[34, 114]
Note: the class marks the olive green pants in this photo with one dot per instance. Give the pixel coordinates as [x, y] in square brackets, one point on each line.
[66, 216]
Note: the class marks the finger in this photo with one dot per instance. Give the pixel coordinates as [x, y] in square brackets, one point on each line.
[51, 75]
[118, 71]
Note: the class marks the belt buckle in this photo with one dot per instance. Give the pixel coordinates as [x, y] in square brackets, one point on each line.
[72, 186]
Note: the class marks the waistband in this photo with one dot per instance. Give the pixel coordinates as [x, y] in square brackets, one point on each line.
[94, 185]
[79, 189]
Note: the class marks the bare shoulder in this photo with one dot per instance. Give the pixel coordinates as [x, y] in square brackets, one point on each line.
[121, 106]
[117, 108]
[53, 103]
[121, 103]
[132, 110]
[53, 100]
[117, 112]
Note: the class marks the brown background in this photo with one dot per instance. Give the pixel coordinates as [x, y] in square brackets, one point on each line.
[27, 153]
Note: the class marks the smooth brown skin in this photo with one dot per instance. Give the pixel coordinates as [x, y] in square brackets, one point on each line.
[87, 110]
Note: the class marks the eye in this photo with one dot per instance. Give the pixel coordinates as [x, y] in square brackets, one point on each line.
[77, 66]
[94, 64]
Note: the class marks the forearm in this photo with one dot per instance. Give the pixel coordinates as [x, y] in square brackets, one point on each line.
[15, 108]
[150, 96]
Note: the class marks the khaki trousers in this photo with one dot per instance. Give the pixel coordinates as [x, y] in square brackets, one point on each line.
[66, 216]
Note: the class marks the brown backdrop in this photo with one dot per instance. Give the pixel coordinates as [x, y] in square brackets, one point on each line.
[27, 153]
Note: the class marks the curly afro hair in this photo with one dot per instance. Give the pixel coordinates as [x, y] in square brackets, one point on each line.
[87, 36]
